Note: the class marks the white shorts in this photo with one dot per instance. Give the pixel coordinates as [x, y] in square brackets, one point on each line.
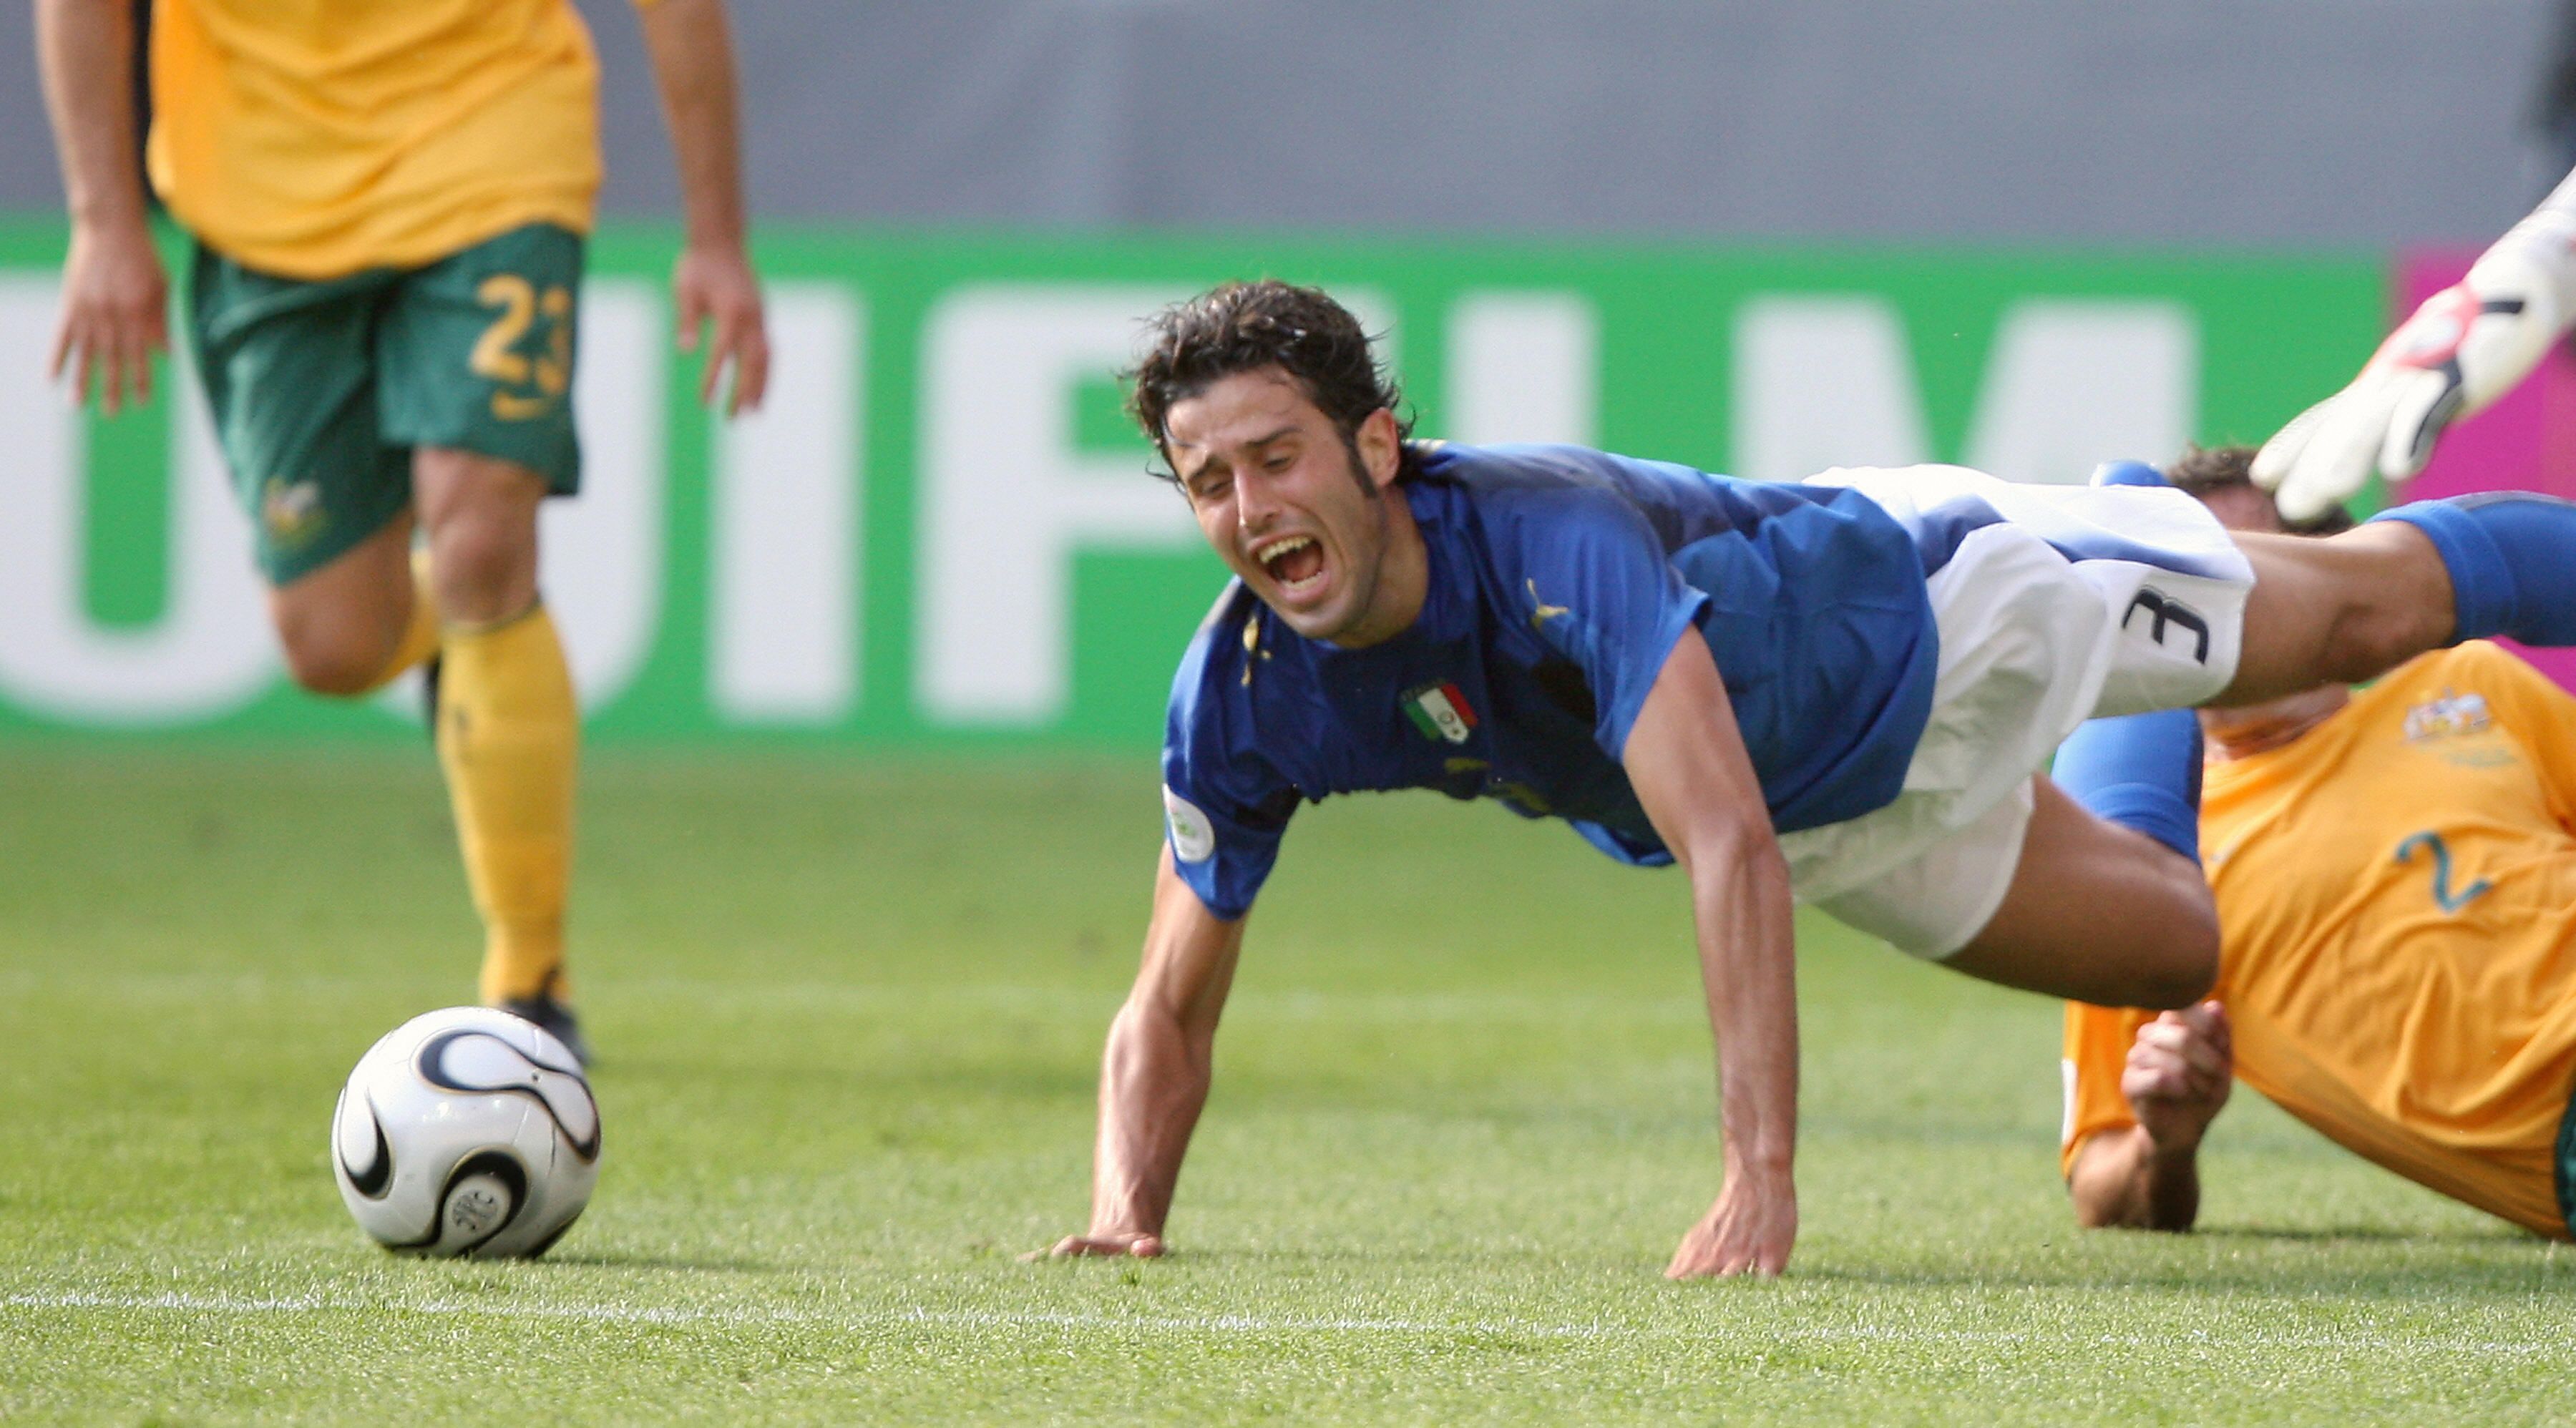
[2054, 605]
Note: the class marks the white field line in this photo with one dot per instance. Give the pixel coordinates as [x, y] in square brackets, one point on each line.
[1253, 1324]
[857, 1318]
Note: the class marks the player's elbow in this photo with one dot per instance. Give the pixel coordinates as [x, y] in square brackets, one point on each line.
[2161, 951]
[2184, 964]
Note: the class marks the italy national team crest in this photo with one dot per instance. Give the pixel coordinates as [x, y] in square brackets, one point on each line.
[1440, 711]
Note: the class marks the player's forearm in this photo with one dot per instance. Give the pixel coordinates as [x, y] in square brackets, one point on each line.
[692, 52]
[1154, 1081]
[2123, 1180]
[85, 49]
[1748, 971]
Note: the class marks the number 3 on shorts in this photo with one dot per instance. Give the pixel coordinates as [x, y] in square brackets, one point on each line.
[496, 358]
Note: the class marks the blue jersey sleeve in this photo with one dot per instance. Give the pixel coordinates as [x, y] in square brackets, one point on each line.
[1599, 591]
[1225, 806]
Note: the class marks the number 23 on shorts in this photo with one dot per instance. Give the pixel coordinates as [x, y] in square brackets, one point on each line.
[541, 380]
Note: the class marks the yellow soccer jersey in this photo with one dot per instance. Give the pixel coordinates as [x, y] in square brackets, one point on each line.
[2397, 906]
[315, 138]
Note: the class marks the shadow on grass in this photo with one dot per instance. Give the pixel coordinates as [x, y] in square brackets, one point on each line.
[672, 1263]
[2499, 1235]
[2326, 1273]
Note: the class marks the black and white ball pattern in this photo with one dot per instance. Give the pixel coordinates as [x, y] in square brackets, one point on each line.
[467, 1131]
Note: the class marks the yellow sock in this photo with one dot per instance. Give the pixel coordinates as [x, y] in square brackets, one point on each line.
[420, 637]
[508, 733]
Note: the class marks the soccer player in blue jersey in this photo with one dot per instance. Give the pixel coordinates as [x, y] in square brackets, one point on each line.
[1839, 691]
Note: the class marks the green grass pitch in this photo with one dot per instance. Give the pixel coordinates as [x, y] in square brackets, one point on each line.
[848, 1014]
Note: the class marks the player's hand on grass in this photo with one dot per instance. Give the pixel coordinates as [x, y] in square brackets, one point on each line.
[115, 314]
[1748, 1231]
[2466, 346]
[2179, 1073]
[717, 295]
[1133, 1244]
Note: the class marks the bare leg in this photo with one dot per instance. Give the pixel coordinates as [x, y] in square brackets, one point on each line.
[481, 514]
[2098, 913]
[2339, 610]
[342, 624]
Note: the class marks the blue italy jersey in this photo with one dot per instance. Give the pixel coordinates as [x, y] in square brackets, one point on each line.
[1560, 579]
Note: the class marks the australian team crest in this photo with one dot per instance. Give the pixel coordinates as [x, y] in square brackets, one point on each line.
[2450, 715]
[1440, 711]
[291, 512]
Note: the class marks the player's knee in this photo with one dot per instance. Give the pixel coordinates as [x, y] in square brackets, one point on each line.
[332, 657]
[484, 569]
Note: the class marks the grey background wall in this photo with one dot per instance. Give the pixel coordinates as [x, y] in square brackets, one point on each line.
[2358, 122]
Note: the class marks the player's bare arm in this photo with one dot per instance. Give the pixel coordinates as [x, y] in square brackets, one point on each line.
[713, 288]
[115, 295]
[1154, 1075]
[1697, 784]
[2147, 1176]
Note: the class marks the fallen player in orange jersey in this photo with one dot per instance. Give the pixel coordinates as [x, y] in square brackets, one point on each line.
[2396, 884]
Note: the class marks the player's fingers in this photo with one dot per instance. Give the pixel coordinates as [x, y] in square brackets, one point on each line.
[2157, 1083]
[2421, 404]
[119, 376]
[689, 313]
[66, 338]
[2167, 1036]
[2279, 455]
[2335, 461]
[152, 339]
[2196, 1054]
[725, 355]
[134, 356]
[84, 370]
[2339, 453]
[751, 365]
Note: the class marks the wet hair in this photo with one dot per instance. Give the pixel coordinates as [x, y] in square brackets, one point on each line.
[1246, 327]
[2202, 472]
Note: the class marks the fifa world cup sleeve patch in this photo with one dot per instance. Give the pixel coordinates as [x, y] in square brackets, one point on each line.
[1193, 837]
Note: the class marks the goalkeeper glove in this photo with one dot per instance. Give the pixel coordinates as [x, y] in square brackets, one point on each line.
[2466, 346]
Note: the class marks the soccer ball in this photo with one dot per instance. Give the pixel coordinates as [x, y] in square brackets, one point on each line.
[467, 1131]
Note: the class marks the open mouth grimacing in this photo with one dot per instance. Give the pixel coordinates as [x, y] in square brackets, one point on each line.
[1294, 561]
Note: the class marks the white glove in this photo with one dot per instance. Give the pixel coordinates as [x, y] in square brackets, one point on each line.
[2465, 347]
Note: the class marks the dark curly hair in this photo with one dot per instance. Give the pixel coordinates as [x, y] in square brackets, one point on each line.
[1245, 327]
[2202, 470]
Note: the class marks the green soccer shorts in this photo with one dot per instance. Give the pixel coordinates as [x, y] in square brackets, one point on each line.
[321, 390]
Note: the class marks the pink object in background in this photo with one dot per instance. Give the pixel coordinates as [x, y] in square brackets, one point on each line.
[2525, 442]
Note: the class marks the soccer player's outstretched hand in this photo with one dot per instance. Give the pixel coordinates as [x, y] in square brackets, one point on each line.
[2465, 347]
[1748, 1231]
[1135, 1244]
[2180, 1070]
[115, 314]
[714, 288]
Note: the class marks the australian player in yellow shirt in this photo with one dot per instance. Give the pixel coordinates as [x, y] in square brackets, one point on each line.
[2396, 885]
[389, 200]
